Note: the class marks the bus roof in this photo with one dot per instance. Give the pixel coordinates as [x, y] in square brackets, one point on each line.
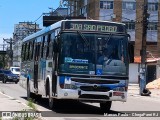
[58, 25]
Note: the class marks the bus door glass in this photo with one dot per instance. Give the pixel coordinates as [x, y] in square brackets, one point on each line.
[36, 61]
[48, 56]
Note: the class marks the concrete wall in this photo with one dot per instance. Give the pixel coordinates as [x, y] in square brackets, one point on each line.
[158, 69]
[133, 73]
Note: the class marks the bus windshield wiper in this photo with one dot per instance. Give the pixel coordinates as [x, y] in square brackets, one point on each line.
[110, 35]
[84, 38]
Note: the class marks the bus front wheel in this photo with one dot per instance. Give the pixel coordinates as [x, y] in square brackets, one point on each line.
[105, 107]
[52, 101]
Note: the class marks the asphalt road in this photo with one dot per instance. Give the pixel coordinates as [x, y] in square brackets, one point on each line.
[84, 111]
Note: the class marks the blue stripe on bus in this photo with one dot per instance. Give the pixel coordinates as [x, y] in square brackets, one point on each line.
[61, 79]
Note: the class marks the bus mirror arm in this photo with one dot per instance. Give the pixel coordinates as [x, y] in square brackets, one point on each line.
[129, 37]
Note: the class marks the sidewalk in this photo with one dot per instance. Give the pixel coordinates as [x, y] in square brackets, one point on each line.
[133, 89]
[10, 108]
[8, 103]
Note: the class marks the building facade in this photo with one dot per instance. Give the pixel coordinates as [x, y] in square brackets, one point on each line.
[21, 30]
[129, 12]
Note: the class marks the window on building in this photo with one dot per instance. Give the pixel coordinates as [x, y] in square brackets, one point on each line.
[152, 26]
[83, 10]
[128, 5]
[152, 6]
[130, 25]
[106, 4]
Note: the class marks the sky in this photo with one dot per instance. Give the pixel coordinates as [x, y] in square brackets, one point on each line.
[15, 11]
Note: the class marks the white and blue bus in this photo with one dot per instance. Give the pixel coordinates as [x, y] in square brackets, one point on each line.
[62, 62]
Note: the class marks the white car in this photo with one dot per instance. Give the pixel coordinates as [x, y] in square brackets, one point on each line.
[15, 70]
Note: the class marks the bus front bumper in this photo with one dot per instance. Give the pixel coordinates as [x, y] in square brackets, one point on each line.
[92, 96]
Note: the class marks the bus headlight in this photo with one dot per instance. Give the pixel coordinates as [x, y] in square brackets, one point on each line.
[70, 86]
[122, 89]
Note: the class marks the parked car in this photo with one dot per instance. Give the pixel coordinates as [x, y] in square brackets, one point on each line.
[8, 76]
[15, 70]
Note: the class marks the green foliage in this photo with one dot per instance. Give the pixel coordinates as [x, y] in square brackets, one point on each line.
[31, 104]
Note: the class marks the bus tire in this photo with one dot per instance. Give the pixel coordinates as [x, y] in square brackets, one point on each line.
[105, 107]
[30, 95]
[51, 101]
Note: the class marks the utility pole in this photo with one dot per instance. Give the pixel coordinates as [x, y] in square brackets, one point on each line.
[143, 51]
[35, 28]
[3, 55]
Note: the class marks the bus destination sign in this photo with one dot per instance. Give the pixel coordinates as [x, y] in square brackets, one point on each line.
[94, 26]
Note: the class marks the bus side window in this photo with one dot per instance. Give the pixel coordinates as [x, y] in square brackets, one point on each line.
[48, 45]
[25, 52]
[39, 40]
[37, 50]
[45, 47]
[22, 52]
[32, 54]
[42, 46]
[51, 45]
[30, 51]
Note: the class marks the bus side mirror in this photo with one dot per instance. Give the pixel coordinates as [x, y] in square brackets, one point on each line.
[129, 37]
[131, 52]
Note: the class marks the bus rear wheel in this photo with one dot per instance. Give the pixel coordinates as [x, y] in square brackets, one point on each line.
[105, 107]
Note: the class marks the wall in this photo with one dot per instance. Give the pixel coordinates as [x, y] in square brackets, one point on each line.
[133, 73]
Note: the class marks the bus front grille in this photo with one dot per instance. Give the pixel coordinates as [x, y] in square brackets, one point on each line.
[94, 81]
[92, 88]
[91, 96]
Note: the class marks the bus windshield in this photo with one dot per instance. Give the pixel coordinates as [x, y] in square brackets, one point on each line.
[97, 54]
